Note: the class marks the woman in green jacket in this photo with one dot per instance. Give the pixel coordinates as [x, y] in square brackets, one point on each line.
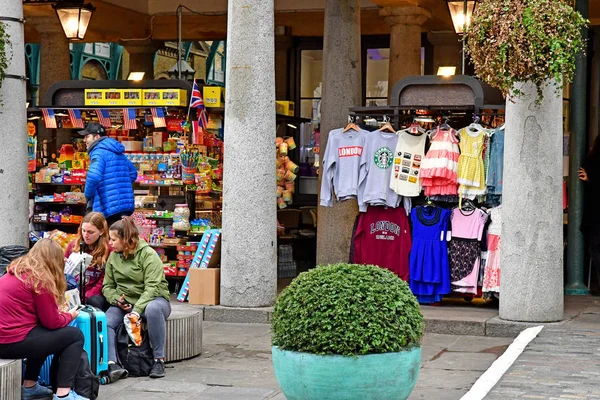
[136, 288]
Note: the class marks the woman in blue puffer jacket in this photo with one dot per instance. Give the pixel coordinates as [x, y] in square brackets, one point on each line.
[110, 177]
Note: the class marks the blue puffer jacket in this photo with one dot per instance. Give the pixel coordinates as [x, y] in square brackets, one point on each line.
[109, 179]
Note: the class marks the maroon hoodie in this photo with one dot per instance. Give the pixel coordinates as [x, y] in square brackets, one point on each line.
[21, 310]
[383, 238]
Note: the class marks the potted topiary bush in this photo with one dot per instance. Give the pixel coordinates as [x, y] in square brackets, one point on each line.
[347, 331]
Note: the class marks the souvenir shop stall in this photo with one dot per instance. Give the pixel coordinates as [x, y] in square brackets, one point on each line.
[174, 141]
[427, 174]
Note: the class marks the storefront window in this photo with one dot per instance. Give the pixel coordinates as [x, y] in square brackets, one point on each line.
[311, 83]
[377, 76]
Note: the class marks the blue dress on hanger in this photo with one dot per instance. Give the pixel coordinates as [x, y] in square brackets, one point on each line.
[429, 264]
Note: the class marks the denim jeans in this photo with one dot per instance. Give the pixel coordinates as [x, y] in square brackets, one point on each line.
[155, 315]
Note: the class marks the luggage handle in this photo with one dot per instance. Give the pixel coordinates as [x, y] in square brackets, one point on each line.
[101, 355]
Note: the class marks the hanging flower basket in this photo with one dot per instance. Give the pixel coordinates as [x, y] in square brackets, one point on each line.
[512, 41]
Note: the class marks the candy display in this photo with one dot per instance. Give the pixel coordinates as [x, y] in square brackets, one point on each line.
[181, 218]
[286, 172]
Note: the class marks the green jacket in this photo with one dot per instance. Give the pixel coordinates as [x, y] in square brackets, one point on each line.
[141, 277]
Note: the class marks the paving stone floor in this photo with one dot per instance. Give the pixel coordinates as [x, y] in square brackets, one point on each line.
[236, 364]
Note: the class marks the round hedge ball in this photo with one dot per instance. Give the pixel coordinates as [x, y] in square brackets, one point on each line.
[347, 309]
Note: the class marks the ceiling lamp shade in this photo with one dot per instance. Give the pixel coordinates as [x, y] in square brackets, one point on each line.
[461, 12]
[75, 18]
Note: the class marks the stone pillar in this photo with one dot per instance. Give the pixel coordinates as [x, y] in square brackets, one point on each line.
[55, 65]
[405, 40]
[341, 90]
[447, 49]
[249, 261]
[14, 207]
[532, 226]
[141, 58]
[577, 153]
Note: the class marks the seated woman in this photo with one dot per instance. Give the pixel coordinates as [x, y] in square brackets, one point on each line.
[135, 285]
[93, 232]
[31, 324]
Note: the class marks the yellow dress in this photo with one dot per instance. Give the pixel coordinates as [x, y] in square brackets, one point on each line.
[471, 175]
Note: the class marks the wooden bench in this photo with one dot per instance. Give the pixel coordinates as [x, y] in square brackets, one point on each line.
[10, 379]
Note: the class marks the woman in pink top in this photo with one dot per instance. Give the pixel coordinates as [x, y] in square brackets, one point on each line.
[31, 324]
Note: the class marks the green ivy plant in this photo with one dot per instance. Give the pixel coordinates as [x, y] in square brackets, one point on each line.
[5, 46]
[512, 41]
[349, 310]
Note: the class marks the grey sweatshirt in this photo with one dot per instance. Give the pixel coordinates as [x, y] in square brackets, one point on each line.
[376, 170]
[341, 165]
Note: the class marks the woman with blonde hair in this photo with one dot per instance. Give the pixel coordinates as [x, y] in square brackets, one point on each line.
[32, 325]
[136, 288]
[92, 238]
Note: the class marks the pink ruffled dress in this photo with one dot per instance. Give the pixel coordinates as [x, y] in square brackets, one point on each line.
[439, 170]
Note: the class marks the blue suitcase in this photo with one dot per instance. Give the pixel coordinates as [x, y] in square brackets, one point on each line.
[92, 323]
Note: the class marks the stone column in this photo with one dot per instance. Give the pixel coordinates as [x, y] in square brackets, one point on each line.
[532, 228]
[55, 65]
[341, 90]
[141, 58]
[405, 40]
[249, 263]
[579, 119]
[14, 207]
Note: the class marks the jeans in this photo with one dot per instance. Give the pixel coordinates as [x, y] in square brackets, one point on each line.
[155, 315]
[66, 344]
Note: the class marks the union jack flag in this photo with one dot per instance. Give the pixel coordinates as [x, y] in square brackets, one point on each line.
[129, 121]
[76, 120]
[198, 103]
[103, 117]
[158, 117]
[49, 118]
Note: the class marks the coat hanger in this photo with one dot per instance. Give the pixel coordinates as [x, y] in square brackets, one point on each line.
[351, 124]
[467, 205]
[444, 125]
[386, 125]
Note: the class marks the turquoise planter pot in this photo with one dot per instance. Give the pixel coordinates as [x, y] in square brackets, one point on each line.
[386, 376]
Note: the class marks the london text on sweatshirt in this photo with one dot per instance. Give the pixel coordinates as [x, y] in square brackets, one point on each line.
[341, 165]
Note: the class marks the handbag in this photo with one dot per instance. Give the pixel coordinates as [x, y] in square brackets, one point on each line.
[137, 360]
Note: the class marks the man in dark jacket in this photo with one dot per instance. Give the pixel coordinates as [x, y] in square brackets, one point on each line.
[108, 185]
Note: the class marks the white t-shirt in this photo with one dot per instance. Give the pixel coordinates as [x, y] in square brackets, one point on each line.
[410, 152]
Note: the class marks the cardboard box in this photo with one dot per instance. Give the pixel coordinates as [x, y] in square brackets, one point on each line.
[285, 108]
[151, 97]
[213, 96]
[164, 97]
[205, 285]
[113, 97]
[94, 97]
[132, 97]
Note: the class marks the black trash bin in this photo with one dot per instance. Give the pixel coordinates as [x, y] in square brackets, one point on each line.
[8, 254]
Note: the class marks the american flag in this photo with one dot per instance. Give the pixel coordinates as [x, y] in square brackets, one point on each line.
[198, 103]
[76, 120]
[158, 116]
[49, 118]
[103, 117]
[129, 121]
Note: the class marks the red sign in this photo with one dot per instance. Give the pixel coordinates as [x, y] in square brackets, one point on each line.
[174, 125]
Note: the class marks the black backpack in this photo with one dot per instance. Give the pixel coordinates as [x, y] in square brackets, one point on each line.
[136, 360]
[86, 383]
